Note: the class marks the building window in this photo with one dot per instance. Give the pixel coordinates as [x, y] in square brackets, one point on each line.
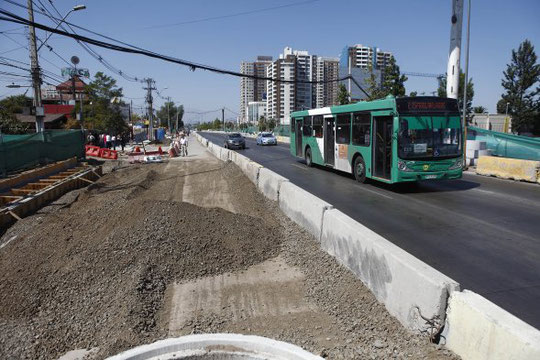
[343, 129]
[361, 129]
[318, 126]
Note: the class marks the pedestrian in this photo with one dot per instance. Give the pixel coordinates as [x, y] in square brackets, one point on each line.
[113, 140]
[108, 141]
[123, 141]
[183, 145]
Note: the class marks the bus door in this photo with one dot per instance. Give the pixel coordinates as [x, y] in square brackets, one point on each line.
[382, 146]
[298, 137]
[329, 141]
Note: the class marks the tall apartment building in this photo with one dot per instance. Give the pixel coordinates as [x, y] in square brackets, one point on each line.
[325, 94]
[294, 65]
[253, 89]
[361, 56]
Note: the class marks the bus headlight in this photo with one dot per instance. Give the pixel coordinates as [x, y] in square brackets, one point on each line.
[402, 165]
[457, 165]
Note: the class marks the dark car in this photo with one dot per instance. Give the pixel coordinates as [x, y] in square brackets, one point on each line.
[235, 141]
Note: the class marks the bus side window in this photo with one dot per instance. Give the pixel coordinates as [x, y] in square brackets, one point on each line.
[306, 129]
[318, 126]
[343, 129]
[361, 129]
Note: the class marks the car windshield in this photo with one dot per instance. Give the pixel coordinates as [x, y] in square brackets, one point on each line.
[267, 135]
[234, 136]
[429, 137]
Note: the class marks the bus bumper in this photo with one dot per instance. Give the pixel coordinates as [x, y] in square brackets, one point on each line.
[429, 175]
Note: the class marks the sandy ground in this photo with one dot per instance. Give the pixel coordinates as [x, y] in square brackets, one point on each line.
[186, 246]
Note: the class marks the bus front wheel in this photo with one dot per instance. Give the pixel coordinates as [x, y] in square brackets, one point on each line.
[309, 161]
[359, 169]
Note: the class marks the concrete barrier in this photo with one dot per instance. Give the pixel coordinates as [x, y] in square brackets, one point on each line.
[270, 183]
[406, 285]
[303, 208]
[478, 329]
[507, 168]
[225, 155]
[283, 139]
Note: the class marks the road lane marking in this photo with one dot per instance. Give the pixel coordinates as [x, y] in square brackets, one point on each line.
[374, 192]
[300, 167]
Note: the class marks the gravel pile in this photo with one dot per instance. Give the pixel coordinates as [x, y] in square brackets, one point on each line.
[94, 273]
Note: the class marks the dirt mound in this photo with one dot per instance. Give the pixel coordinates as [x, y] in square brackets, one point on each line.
[94, 274]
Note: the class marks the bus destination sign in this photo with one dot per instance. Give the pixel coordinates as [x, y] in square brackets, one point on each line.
[426, 104]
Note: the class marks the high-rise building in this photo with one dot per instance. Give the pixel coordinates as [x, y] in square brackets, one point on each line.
[327, 71]
[300, 68]
[281, 96]
[253, 89]
[361, 58]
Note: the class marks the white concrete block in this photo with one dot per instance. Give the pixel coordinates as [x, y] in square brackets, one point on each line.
[478, 329]
[396, 278]
[476, 145]
[302, 207]
[225, 154]
[472, 154]
[270, 183]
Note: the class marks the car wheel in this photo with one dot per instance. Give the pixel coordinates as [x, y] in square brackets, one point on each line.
[359, 170]
[309, 160]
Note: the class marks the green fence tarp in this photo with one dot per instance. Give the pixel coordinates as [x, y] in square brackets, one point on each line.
[24, 151]
[507, 145]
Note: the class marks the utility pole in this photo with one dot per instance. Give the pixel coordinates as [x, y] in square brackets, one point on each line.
[467, 64]
[130, 110]
[169, 113]
[149, 100]
[350, 75]
[36, 72]
[223, 117]
[452, 72]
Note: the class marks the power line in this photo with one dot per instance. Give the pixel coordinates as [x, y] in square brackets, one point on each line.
[17, 19]
[87, 48]
[230, 15]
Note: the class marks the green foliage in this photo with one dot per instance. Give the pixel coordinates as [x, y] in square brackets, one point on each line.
[100, 114]
[413, 94]
[479, 109]
[8, 108]
[519, 81]
[441, 91]
[501, 106]
[173, 112]
[392, 83]
[342, 95]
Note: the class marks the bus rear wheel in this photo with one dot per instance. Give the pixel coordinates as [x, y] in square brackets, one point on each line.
[359, 169]
[309, 160]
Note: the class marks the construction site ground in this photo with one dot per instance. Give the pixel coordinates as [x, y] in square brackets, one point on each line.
[187, 246]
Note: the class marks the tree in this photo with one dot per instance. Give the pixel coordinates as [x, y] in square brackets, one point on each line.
[102, 113]
[180, 114]
[8, 108]
[271, 124]
[470, 92]
[392, 83]
[413, 94]
[502, 106]
[342, 95]
[167, 111]
[520, 76]
[479, 109]
[262, 124]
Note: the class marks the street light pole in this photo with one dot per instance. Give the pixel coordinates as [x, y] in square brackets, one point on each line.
[36, 73]
[75, 8]
[169, 113]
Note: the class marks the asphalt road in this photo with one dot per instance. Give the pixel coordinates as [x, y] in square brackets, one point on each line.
[482, 232]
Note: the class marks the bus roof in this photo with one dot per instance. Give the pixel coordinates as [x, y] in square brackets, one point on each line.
[416, 105]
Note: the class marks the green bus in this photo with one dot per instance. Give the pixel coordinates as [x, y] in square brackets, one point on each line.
[390, 140]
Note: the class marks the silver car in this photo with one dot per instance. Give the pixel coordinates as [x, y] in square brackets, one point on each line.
[266, 138]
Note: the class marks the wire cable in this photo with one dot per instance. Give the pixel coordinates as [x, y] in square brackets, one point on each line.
[17, 19]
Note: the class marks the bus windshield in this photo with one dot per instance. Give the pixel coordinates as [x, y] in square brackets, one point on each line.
[429, 137]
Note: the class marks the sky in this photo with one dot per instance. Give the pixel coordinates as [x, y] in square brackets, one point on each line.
[417, 32]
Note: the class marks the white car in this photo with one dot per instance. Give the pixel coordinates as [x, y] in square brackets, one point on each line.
[266, 138]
